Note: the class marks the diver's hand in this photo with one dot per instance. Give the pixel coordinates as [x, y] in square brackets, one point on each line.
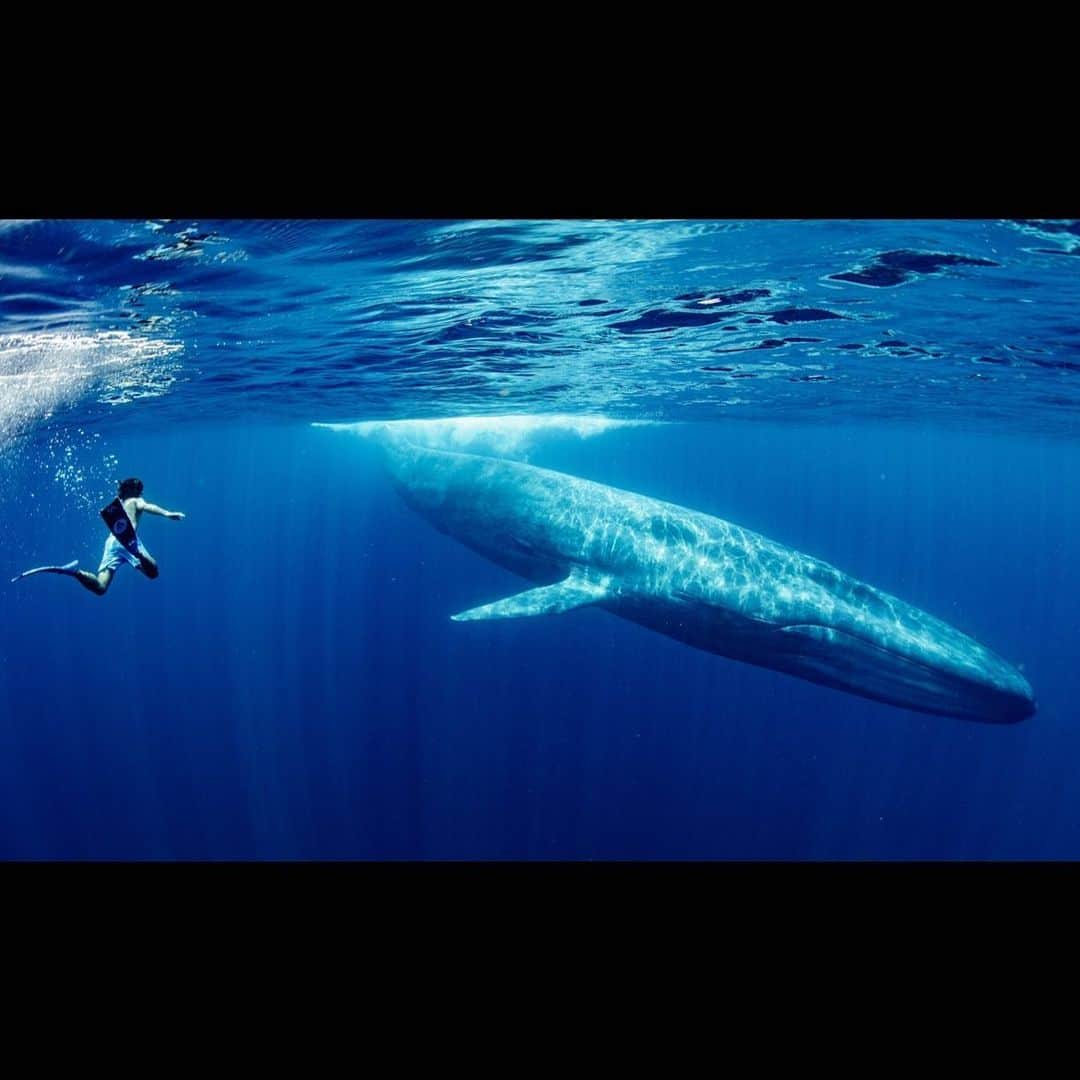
[175, 515]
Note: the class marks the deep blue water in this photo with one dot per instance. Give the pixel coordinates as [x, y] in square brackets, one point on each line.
[898, 398]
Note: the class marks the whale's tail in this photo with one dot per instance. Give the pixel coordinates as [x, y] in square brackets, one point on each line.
[406, 446]
[510, 436]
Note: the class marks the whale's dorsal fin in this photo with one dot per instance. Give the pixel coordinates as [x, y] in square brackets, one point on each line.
[581, 587]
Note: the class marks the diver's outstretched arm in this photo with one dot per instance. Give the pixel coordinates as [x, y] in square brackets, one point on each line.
[150, 508]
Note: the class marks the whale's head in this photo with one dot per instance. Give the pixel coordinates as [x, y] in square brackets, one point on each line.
[911, 660]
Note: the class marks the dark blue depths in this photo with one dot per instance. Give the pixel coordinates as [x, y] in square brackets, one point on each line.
[292, 685]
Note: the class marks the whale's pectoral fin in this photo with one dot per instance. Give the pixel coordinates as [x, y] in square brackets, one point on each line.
[579, 589]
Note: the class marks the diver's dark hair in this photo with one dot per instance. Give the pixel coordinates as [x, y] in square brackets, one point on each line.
[130, 488]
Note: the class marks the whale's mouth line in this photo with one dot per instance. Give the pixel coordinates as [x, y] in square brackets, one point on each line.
[913, 664]
[804, 629]
[884, 650]
[906, 658]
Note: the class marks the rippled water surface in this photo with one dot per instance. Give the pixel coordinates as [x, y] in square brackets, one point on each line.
[970, 322]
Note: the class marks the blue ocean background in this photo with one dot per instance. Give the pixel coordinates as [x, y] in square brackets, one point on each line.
[899, 398]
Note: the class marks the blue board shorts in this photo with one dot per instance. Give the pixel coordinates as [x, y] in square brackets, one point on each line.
[115, 553]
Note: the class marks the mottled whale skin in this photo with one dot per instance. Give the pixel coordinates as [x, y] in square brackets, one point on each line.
[702, 581]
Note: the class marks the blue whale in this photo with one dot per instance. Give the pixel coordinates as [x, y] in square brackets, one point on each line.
[700, 580]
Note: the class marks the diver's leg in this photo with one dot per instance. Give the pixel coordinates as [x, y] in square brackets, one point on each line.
[97, 583]
[147, 565]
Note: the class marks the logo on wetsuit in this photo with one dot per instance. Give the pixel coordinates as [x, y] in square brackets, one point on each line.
[120, 527]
